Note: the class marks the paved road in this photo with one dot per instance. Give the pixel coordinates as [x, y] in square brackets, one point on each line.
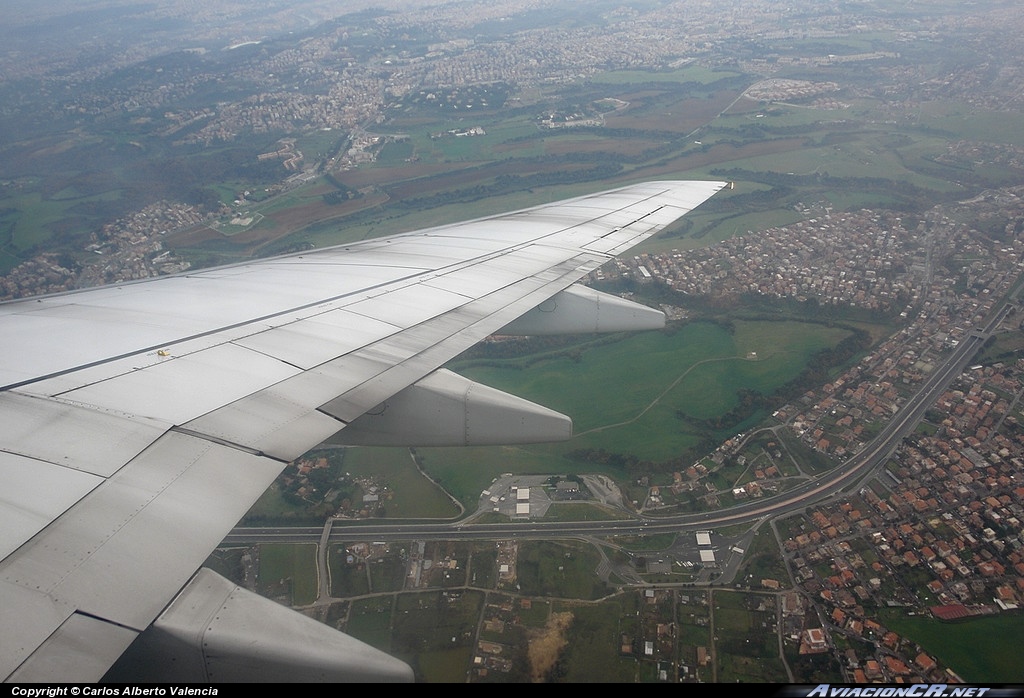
[847, 477]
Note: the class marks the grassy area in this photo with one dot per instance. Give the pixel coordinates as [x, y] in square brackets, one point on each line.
[630, 406]
[746, 643]
[1006, 346]
[29, 218]
[387, 573]
[536, 615]
[693, 73]
[582, 511]
[979, 650]
[592, 653]
[290, 571]
[349, 576]
[445, 666]
[466, 472]
[369, 620]
[974, 124]
[428, 623]
[654, 542]
[559, 569]
[483, 566]
[272, 505]
[763, 560]
[412, 496]
[227, 562]
[624, 405]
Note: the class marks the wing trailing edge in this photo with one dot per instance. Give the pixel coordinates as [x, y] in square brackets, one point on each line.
[579, 309]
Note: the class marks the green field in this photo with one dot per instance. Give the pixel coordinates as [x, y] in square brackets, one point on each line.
[347, 578]
[559, 569]
[410, 496]
[369, 620]
[591, 654]
[429, 622]
[866, 162]
[694, 73]
[684, 120]
[763, 560]
[746, 642]
[981, 650]
[625, 396]
[288, 569]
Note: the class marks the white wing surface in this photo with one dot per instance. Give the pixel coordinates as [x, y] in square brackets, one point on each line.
[139, 422]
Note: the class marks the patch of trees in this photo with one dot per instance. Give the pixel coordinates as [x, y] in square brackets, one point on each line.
[636, 467]
[342, 191]
[603, 456]
[671, 143]
[979, 356]
[333, 180]
[747, 202]
[507, 183]
[749, 402]
[750, 306]
[816, 668]
[913, 195]
[526, 351]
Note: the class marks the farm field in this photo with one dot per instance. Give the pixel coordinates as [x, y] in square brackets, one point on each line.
[687, 123]
[983, 649]
[289, 570]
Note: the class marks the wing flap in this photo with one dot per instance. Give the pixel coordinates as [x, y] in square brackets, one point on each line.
[28, 618]
[80, 651]
[273, 421]
[217, 631]
[122, 552]
[34, 494]
[445, 409]
[72, 436]
[410, 358]
[579, 309]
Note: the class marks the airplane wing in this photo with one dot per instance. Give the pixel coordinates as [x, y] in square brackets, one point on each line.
[140, 421]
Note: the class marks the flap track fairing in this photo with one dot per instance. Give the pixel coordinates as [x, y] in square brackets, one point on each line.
[579, 309]
[445, 409]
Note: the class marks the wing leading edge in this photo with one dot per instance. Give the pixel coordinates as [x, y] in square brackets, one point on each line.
[142, 420]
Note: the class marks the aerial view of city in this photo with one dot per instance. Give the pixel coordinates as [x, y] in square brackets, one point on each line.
[813, 473]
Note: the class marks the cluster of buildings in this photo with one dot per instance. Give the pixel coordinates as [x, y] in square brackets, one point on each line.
[345, 74]
[937, 283]
[941, 531]
[129, 248]
[942, 535]
[333, 77]
[944, 530]
[787, 90]
[969, 272]
[864, 259]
